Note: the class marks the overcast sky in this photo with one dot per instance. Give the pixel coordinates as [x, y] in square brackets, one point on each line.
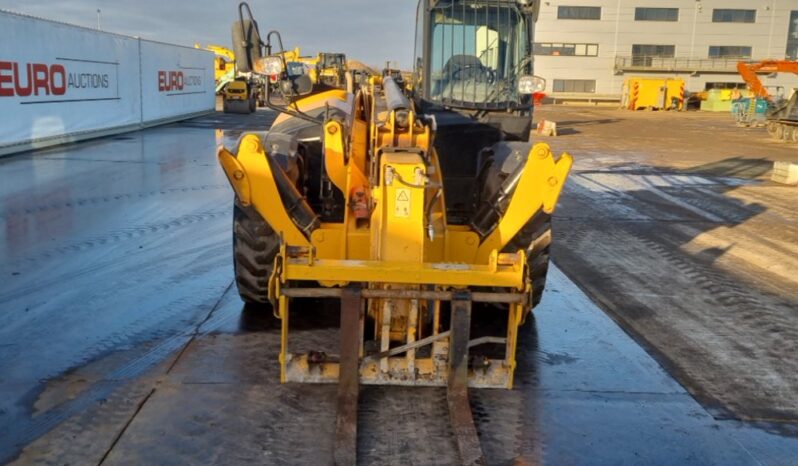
[371, 31]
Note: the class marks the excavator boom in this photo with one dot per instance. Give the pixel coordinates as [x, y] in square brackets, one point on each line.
[749, 73]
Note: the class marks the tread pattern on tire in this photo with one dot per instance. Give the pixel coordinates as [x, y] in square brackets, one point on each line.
[779, 132]
[535, 239]
[255, 245]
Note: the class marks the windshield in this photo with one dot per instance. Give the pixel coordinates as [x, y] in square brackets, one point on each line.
[295, 68]
[477, 51]
[331, 60]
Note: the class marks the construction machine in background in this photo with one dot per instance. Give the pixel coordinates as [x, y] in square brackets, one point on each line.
[416, 215]
[360, 72]
[244, 93]
[331, 69]
[324, 69]
[778, 115]
[224, 64]
[241, 95]
[247, 90]
[749, 71]
[782, 120]
[396, 74]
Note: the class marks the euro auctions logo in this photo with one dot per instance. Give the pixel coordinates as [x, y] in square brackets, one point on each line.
[170, 81]
[36, 79]
[179, 82]
[65, 80]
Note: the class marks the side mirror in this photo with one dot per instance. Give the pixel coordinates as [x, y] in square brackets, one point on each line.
[246, 44]
[296, 85]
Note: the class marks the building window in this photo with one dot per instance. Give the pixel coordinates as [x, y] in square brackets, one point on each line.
[566, 50]
[579, 12]
[792, 37]
[644, 54]
[656, 14]
[729, 51]
[724, 85]
[733, 16]
[587, 86]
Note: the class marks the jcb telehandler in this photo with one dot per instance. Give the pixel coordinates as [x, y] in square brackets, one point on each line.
[407, 211]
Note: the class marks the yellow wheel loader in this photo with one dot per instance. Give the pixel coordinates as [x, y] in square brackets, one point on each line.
[413, 213]
[331, 69]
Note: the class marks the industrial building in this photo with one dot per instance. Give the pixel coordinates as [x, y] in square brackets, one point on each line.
[587, 48]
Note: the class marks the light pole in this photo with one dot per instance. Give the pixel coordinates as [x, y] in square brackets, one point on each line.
[98, 19]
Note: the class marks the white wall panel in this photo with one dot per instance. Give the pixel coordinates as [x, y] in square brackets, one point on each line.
[175, 81]
[61, 83]
[57, 80]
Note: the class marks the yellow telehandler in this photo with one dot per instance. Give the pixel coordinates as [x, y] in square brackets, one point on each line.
[410, 212]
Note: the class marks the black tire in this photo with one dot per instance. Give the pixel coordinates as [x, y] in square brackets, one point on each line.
[771, 128]
[255, 246]
[535, 239]
[786, 134]
[780, 132]
[225, 108]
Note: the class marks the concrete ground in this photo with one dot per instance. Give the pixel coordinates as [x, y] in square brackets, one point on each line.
[671, 224]
[667, 334]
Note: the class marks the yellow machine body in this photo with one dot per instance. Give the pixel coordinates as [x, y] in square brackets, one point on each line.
[236, 90]
[224, 61]
[318, 72]
[239, 96]
[394, 241]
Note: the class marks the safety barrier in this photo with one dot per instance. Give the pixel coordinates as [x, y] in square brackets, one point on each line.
[63, 83]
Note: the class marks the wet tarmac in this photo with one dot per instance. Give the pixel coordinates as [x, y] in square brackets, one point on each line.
[123, 341]
[671, 223]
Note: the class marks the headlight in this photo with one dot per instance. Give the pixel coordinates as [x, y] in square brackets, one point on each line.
[530, 84]
[269, 66]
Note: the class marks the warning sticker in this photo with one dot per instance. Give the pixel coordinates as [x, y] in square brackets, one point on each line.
[402, 203]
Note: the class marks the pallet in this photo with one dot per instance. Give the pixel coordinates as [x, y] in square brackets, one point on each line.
[785, 173]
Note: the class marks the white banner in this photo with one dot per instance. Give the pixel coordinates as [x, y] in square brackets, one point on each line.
[57, 80]
[60, 82]
[175, 80]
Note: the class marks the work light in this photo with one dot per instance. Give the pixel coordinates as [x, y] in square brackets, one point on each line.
[269, 66]
[529, 84]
